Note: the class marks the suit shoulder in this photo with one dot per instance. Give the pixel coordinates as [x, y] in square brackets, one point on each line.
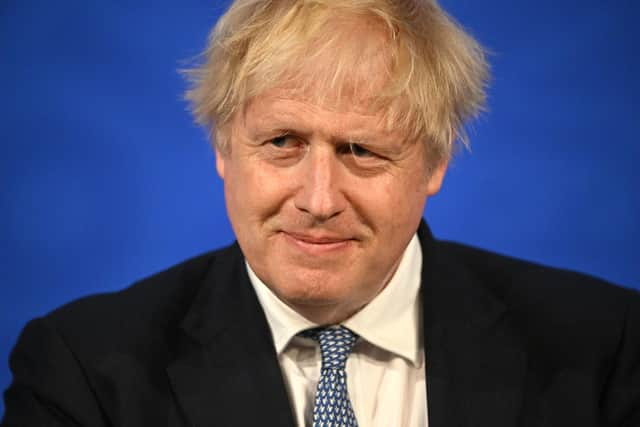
[553, 308]
[506, 271]
[156, 303]
[562, 296]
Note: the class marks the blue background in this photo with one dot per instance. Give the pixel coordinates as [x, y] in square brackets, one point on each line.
[104, 179]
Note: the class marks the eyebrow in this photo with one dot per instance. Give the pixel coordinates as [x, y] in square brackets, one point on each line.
[277, 123]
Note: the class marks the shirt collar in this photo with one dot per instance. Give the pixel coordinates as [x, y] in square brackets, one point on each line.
[391, 321]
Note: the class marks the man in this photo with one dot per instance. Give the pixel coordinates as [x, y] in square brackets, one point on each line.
[333, 123]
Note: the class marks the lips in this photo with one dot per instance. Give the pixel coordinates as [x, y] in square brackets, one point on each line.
[317, 244]
[317, 239]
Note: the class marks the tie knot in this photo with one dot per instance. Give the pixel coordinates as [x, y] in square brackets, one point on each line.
[336, 344]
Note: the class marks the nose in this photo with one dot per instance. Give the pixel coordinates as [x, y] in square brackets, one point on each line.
[320, 192]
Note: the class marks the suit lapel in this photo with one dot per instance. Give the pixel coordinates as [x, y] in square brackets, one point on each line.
[225, 371]
[475, 362]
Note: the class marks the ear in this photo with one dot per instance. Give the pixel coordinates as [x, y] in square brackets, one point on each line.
[219, 162]
[436, 178]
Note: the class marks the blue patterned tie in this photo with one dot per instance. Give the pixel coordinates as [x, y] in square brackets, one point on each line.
[332, 407]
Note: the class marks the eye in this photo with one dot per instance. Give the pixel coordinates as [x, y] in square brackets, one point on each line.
[281, 141]
[283, 149]
[285, 143]
[362, 160]
[359, 151]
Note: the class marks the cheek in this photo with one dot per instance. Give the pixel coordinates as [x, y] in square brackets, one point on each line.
[392, 205]
[253, 192]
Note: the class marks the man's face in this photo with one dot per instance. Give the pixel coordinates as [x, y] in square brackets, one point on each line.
[323, 201]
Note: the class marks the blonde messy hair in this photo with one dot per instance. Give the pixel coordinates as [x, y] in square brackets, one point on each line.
[429, 78]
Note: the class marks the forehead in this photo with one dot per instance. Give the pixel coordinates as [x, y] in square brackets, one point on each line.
[281, 110]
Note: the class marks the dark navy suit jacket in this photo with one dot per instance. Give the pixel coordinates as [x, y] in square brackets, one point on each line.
[507, 343]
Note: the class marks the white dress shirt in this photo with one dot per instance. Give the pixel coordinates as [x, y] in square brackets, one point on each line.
[386, 370]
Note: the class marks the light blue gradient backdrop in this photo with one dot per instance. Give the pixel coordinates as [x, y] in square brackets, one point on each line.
[104, 178]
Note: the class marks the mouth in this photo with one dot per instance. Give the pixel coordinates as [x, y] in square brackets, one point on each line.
[317, 244]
